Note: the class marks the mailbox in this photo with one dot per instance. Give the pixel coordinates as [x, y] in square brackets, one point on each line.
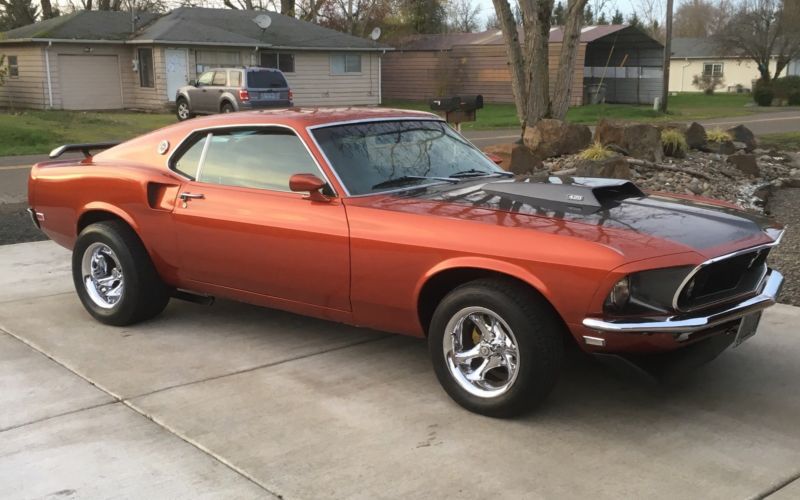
[457, 109]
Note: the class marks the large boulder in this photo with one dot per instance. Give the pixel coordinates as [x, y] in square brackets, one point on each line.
[615, 167]
[548, 138]
[740, 133]
[501, 151]
[745, 163]
[639, 140]
[696, 136]
[723, 148]
[524, 160]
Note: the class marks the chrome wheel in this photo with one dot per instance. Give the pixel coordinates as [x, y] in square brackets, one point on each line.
[183, 110]
[102, 275]
[481, 352]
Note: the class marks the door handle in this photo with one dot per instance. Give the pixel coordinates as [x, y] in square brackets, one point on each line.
[193, 196]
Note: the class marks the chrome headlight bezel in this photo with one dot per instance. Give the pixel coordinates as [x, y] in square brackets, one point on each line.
[649, 291]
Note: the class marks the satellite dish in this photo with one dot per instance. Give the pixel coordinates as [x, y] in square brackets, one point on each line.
[263, 21]
[376, 33]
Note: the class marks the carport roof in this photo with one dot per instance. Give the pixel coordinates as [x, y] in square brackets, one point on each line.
[191, 26]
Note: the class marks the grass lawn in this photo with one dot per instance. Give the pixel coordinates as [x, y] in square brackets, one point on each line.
[786, 141]
[682, 107]
[32, 132]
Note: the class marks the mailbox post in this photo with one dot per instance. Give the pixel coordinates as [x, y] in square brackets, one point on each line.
[457, 109]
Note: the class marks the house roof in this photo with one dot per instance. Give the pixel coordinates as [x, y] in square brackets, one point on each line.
[683, 48]
[193, 26]
[495, 37]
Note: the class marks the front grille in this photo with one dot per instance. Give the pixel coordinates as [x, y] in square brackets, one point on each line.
[735, 277]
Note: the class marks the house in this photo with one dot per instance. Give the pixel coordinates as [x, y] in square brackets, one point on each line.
[701, 56]
[623, 60]
[113, 60]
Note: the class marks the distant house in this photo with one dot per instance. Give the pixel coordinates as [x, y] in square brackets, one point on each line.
[622, 59]
[698, 56]
[102, 60]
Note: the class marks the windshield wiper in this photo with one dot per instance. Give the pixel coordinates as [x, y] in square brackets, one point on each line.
[399, 181]
[478, 173]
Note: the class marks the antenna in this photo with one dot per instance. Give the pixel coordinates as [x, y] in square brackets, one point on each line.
[262, 21]
[376, 33]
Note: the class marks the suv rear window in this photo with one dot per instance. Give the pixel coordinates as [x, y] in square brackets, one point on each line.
[265, 80]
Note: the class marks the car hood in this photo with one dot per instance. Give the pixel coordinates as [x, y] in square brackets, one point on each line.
[611, 212]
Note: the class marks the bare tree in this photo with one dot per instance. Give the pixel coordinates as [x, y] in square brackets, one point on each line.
[492, 22]
[463, 16]
[529, 60]
[16, 13]
[763, 30]
[651, 15]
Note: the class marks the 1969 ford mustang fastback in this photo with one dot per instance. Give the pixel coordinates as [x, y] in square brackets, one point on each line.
[392, 220]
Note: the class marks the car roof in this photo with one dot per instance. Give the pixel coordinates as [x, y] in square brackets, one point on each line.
[305, 117]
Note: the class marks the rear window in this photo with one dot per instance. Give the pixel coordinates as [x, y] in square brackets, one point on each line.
[265, 80]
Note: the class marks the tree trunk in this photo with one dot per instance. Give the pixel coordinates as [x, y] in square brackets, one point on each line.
[538, 57]
[516, 61]
[566, 64]
[47, 9]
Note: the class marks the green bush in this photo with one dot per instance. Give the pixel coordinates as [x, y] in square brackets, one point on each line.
[674, 142]
[786, 88]
[763, 94]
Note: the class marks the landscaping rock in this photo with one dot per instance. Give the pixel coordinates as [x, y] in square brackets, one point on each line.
[640, 140]
[740, 133]
[739, 145]
[722, 148]
[549, 138]
[615, 167]
[696, 136]
[524, 160]
[502, 151]
[745, 163]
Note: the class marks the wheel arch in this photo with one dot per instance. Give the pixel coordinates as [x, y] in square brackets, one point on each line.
[228, 100]
[98, 212]
[442, 279]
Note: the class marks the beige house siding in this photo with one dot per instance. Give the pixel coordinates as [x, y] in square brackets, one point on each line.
[735, 72]
[29, 89]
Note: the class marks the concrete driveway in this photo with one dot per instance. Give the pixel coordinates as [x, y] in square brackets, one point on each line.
[233, 401]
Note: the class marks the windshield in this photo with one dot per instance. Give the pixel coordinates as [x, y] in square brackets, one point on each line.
[368, 155]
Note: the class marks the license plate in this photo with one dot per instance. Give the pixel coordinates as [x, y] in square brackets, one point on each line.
[270, 96]
[747, 328]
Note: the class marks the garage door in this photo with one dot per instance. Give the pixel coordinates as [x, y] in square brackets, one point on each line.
[90, 82]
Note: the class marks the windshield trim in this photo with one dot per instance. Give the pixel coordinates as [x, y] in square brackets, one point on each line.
[430, 118]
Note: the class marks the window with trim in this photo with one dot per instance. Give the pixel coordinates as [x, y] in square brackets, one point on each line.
[13, 66]
[278, 60]
[712, 69]
[220, 78]
[235, 78]
[342, 64]
[206, 78]
[146, 68]
[237, 158]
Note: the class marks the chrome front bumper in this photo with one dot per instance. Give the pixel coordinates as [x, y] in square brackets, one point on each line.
[686, 323]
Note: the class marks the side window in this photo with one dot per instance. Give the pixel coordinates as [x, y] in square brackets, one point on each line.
[13, 66]
[235, 78]
[263, 159]
[205, 78]
[189, 161]
[220, 78]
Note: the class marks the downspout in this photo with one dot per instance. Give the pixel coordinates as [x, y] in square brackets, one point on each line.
[380, 74]
[49, 81]
[683, 73]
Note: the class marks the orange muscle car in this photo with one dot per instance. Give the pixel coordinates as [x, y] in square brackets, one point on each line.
[391, 220]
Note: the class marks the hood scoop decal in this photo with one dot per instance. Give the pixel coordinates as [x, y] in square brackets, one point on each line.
[575, 194]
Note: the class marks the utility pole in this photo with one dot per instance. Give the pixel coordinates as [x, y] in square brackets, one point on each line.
[667, 55]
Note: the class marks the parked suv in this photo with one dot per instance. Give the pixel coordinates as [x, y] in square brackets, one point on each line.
[225, 90]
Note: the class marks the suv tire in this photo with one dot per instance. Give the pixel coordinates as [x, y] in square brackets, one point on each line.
[182, 109]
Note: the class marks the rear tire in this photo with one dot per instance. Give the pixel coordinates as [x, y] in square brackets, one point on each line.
[496, 347]
[227, 108]
[182, 110]
[114, 276]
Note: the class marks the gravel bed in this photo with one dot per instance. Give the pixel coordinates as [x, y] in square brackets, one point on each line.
[16, 225]
[784, 204]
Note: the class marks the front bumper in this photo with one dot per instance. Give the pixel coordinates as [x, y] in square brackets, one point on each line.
[688, 323]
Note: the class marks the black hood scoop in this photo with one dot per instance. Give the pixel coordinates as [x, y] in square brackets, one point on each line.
[574, 194]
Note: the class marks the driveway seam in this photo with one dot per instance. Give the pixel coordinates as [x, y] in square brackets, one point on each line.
[776, 488]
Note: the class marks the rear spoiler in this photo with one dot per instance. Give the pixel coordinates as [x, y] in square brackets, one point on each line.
[85, 148]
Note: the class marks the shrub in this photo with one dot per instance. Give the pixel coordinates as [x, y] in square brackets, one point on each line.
[763, 94]
[707, 83]
[673, 142]
[786, 86]
[717, 135]
[596, 151]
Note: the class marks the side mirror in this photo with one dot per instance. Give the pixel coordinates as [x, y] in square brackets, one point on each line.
[496, 159]
[308, 183]
[194, 83]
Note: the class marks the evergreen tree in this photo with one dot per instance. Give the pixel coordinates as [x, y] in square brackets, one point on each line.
[588, 15]
[558, 14]
[602, 19]
[633, 20]
[617, 18]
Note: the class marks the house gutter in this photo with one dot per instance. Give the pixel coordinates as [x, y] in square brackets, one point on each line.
[49, 81]
[207, 44]
[683, 72]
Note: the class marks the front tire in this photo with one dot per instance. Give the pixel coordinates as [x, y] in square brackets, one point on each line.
[114, 276]
[182, 110]
[496, 347]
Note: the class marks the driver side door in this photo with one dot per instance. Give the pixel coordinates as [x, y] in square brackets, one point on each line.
[240, 227]
[200, 95]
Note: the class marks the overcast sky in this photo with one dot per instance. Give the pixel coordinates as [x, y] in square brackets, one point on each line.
[625, 6]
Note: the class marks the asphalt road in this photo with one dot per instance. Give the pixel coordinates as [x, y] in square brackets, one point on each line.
[234, 401]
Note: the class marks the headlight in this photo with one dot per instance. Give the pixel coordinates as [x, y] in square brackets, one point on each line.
[620, 294]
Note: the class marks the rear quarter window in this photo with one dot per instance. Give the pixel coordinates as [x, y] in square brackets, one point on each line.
[265, 80]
